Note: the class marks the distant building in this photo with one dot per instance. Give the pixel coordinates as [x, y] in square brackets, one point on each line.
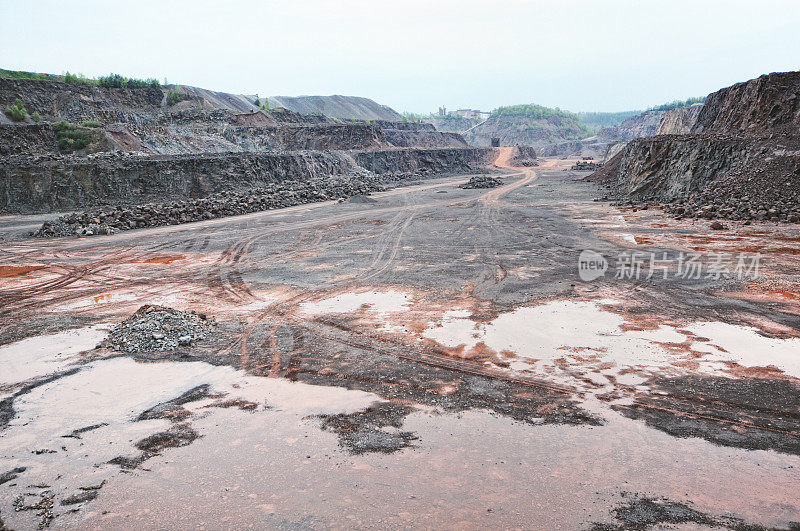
[469, 113]
[442, 111]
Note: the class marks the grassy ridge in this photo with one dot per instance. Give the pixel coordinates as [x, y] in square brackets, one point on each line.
[109, 81]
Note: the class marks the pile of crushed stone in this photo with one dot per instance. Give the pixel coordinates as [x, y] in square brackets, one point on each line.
[109, 220]
[582, 165]
[482, 181]
[157, 329]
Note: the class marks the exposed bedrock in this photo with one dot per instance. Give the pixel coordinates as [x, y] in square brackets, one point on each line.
[714, 176]
[29, 138]
[740, 161]
[645, 124]
[56, 100]
[679, 121]
[224, 131]
[767, 104]
[62, 184]
[523, 156]
[416, 161]
[73, 183]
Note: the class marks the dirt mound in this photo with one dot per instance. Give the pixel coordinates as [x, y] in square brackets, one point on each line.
[158, 329]
[361, 198]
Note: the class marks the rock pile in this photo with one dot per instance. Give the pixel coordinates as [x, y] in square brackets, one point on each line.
[583, 165]
[482, 181]
[284, 194]
[158, 329]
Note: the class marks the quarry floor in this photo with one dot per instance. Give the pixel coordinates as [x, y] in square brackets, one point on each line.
[430, 358]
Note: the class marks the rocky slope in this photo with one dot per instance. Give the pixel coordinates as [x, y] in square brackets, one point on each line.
[341, 107]
[96, 146]
[610, 140]
[644, 124]
[453, 124]
[765, 105]
[741, 159]
[679, 121]
[541, 133]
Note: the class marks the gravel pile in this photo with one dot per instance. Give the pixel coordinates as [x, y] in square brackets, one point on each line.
[158, 329]
[108, 220]
[583, 165]
[765, 194]
[482, 181]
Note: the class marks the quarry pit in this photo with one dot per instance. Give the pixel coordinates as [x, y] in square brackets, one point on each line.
[424, 355]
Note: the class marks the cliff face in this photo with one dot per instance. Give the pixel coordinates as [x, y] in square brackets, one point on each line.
[58, 183]
[641, 125]
[141, 149]
[410, 134]
[679, 121]
[741, 160]
[56, 100]
[767, 104]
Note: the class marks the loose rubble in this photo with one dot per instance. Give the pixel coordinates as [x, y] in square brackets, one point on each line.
[482, 181]
[284, 194]
[583, 165]
[158, 329]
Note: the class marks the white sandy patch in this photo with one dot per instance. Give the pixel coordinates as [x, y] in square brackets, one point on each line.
[42, 355]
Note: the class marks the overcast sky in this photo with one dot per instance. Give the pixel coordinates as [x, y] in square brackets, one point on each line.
[414, 55]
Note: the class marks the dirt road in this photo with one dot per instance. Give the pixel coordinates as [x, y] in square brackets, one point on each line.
[430, 358]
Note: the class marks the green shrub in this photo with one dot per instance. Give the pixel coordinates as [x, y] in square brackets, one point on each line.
[91, 123]
[78, 79]
[17, 111]
[677, 104]
[118, 81]
[36, 117]
[175, 96]
[71, 137]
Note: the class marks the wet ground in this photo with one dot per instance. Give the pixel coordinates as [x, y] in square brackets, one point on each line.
[431, 358]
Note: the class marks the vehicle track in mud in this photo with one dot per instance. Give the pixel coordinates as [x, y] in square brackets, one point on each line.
[409, 234]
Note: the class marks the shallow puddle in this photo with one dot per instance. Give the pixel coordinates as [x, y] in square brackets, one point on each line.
[565, 339]
[42, 355]
[469, 470]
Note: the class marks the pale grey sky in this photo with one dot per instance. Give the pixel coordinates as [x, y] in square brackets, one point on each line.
[414, 55]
